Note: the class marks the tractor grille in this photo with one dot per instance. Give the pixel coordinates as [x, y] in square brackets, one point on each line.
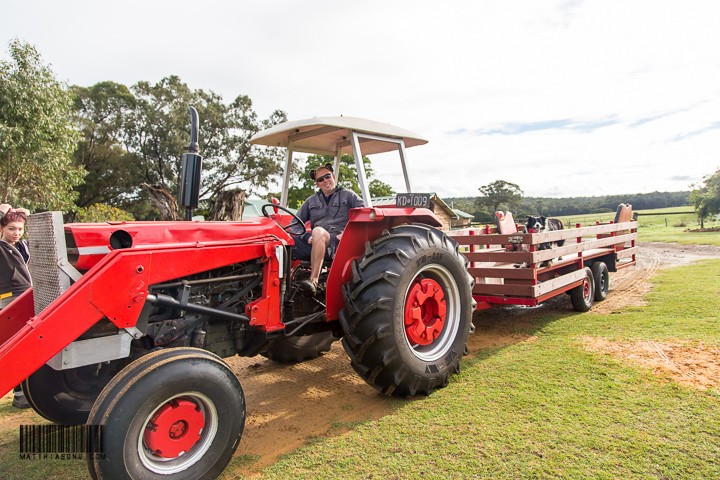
[47, 249]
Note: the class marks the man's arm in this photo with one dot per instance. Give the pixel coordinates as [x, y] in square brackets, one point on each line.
[357, 201]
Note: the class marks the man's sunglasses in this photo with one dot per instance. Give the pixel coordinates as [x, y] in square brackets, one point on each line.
[323, 178]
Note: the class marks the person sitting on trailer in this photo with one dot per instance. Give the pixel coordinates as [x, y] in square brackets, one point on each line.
[328, 211]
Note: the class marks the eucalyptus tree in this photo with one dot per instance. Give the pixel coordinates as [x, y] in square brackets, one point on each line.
[37, 137]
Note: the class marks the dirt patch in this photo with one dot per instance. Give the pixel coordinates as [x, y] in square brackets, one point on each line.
[11, 418]
[703, 230]
[696, 365]
[288, 405]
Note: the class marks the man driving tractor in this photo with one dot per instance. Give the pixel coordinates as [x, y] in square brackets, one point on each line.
[328, 212]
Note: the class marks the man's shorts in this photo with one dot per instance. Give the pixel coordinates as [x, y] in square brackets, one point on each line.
[302, 248]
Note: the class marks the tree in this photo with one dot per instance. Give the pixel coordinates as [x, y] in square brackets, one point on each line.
[99, 212]
[157, 132]
[706, 198]
[100, 113]
[347, 178]
[37, 138]
[499, 195]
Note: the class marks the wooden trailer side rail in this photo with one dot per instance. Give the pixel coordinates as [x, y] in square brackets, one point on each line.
[511, 269]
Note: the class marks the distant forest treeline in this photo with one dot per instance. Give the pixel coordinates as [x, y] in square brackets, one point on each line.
[551, 207]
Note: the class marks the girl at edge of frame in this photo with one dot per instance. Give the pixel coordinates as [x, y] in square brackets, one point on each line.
[14, 273]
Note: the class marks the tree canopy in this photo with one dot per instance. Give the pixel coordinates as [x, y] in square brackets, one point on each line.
[133, 139]
[706, 197]
[100, 114]
[37, 138]
[499, 195]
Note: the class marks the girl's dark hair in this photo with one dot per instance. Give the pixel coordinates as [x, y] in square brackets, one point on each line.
[13, 216]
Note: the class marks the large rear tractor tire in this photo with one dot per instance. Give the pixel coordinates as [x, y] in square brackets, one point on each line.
[66, 396]
[172, 414]
[583, 295]
[299, 349]
[408, 311]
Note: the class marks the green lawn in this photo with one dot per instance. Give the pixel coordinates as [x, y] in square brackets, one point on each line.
[549, 408]
[659, 225]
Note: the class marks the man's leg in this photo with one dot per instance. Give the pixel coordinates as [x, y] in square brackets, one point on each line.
[320, 241]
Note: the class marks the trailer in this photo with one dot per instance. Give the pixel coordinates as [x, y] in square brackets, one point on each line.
[527, 268]
[127, 323]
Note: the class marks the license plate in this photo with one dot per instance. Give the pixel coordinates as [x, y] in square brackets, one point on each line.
[419, 200]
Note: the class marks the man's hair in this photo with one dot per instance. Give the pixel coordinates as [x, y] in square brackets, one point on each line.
[327, 166]
[13, 216]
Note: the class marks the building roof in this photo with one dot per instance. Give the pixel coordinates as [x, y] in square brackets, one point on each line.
[462, 214]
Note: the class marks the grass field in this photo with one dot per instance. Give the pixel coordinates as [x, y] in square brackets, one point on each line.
[660, 225]
[549, 408]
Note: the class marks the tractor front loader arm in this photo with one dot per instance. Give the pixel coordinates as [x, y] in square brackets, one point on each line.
[116, 288]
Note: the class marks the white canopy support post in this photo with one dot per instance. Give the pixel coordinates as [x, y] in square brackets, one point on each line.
[404, 165]
[338, 156]
[286, 176]
[362, 179]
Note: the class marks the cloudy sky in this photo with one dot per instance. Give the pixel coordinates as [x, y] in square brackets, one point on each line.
[563, 98]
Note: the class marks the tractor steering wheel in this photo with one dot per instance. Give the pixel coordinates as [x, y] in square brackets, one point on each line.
[295, 223]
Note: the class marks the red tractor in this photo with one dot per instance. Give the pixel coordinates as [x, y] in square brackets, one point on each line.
[127, 322]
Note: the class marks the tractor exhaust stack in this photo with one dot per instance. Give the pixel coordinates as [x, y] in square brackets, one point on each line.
[191, 169]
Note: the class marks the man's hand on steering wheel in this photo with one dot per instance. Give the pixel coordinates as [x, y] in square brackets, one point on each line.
[296, 223]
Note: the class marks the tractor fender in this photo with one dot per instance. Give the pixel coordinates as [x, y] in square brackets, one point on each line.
[365, 225]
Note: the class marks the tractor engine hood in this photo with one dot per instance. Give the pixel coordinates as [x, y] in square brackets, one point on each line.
[88, 243]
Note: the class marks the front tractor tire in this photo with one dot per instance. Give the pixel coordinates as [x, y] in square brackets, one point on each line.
[173, 414]
[408, 311]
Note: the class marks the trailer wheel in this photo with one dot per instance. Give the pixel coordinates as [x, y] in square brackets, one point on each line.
[172, 414]
[601, 275]
[582, 296]
[66, 396]
[299, 349]
[408, 311]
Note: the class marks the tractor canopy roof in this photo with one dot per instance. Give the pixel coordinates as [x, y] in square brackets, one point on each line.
[328, 135]
[336, 136]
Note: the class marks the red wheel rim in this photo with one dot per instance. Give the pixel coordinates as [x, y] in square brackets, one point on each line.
[174, 429]
[586, 289]
[425, 311]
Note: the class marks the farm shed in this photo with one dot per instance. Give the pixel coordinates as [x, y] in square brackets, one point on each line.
[464, 219]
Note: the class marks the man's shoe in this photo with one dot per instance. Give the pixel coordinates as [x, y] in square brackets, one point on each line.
[19, 400]
[307, 286]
